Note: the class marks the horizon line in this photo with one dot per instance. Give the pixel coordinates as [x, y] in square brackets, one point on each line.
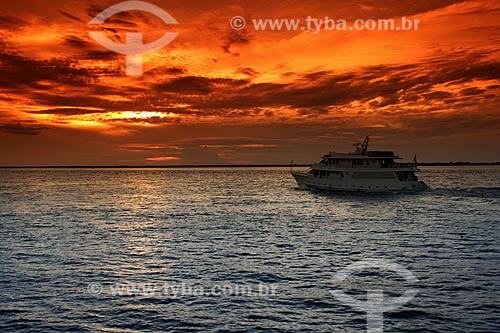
[457, 163]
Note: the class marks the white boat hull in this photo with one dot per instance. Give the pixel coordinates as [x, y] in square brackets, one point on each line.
[307, 181]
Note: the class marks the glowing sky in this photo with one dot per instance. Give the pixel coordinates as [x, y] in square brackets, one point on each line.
[217, 95]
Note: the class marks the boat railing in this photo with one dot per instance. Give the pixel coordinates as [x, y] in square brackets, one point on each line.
[372, 166]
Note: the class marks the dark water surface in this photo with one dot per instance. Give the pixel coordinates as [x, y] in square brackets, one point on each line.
[69, 237]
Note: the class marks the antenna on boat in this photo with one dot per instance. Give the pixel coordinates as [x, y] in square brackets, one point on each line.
[362, 147]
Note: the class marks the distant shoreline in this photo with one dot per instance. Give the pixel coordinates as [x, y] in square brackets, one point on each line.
[457, 163]
[221, 166]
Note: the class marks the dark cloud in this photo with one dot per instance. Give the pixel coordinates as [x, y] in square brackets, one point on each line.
[68, 15]
[19, 71]
[110, 29]
[66, 111]
[120, 23]
[173, 71]
[189, 85]
[11, 23]
[100, 55]
[93, 9]
[196, 85]
[437, 95]
[19, 128]
[76, 42]
[146, 120]
[247, 71]
[235, 37]
[313, 112]
[81, 101]
[472, 91]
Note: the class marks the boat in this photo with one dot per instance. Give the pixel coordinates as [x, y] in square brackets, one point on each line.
[361, 171]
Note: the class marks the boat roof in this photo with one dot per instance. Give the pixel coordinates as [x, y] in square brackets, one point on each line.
[376, 154]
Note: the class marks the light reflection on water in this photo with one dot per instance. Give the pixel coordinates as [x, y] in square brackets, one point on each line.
[64, 229]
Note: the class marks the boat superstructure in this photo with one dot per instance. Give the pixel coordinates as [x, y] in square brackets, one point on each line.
[361, 171]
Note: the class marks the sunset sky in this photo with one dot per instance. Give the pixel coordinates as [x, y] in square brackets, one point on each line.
[215, 95]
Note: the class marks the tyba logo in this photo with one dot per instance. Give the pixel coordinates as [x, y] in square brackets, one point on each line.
[134, 48]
